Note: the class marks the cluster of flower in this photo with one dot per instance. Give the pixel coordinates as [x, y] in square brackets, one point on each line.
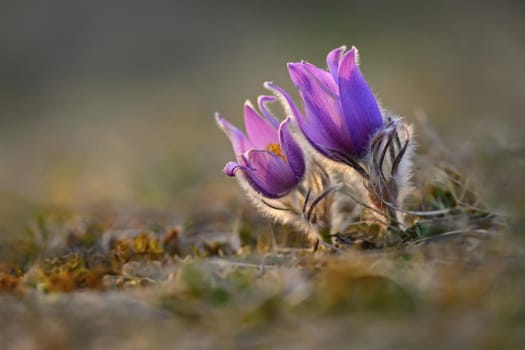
[337, 161]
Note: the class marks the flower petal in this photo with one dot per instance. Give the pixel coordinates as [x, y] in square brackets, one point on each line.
[359, 105]
[237, 138]
[332, 59]
[231, 168]
[323, 122]
[285, 99]
[269, 174]
[305, 74]
[260, 132]
[312, 130]
[291, 149]
[261, 102]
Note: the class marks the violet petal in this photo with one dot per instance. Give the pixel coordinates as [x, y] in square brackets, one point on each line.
[237, 138]
[291, 149]
[260, 132]
[360, 108]
[323, 122]
[261, 102]
[271, 175]
[332, 59]
[286, 100]
[231, 168]
[312, 131]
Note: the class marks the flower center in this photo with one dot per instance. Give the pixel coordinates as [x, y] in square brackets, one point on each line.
[276, 148]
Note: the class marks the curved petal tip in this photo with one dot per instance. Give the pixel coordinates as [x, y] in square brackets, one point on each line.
[237, 138]
[231, 168]
[292, 151]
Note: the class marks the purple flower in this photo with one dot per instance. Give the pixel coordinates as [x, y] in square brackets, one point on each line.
[340, 112]
[269, 158]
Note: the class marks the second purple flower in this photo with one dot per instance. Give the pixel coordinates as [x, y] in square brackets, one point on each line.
[269, 158]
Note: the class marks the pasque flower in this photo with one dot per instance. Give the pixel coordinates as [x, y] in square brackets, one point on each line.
[342, 121]
[340, 113]
[268, 157]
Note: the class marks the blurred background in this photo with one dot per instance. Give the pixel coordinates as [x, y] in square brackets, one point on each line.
[113, 101]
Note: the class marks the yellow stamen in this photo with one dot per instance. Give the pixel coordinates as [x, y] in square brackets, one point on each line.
[276, 148]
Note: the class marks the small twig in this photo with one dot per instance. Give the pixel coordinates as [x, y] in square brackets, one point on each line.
[472, 233]
[330, 246]
[419, 213]
[224, 263]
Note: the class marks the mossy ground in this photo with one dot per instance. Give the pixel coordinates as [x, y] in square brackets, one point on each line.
[230, 279]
